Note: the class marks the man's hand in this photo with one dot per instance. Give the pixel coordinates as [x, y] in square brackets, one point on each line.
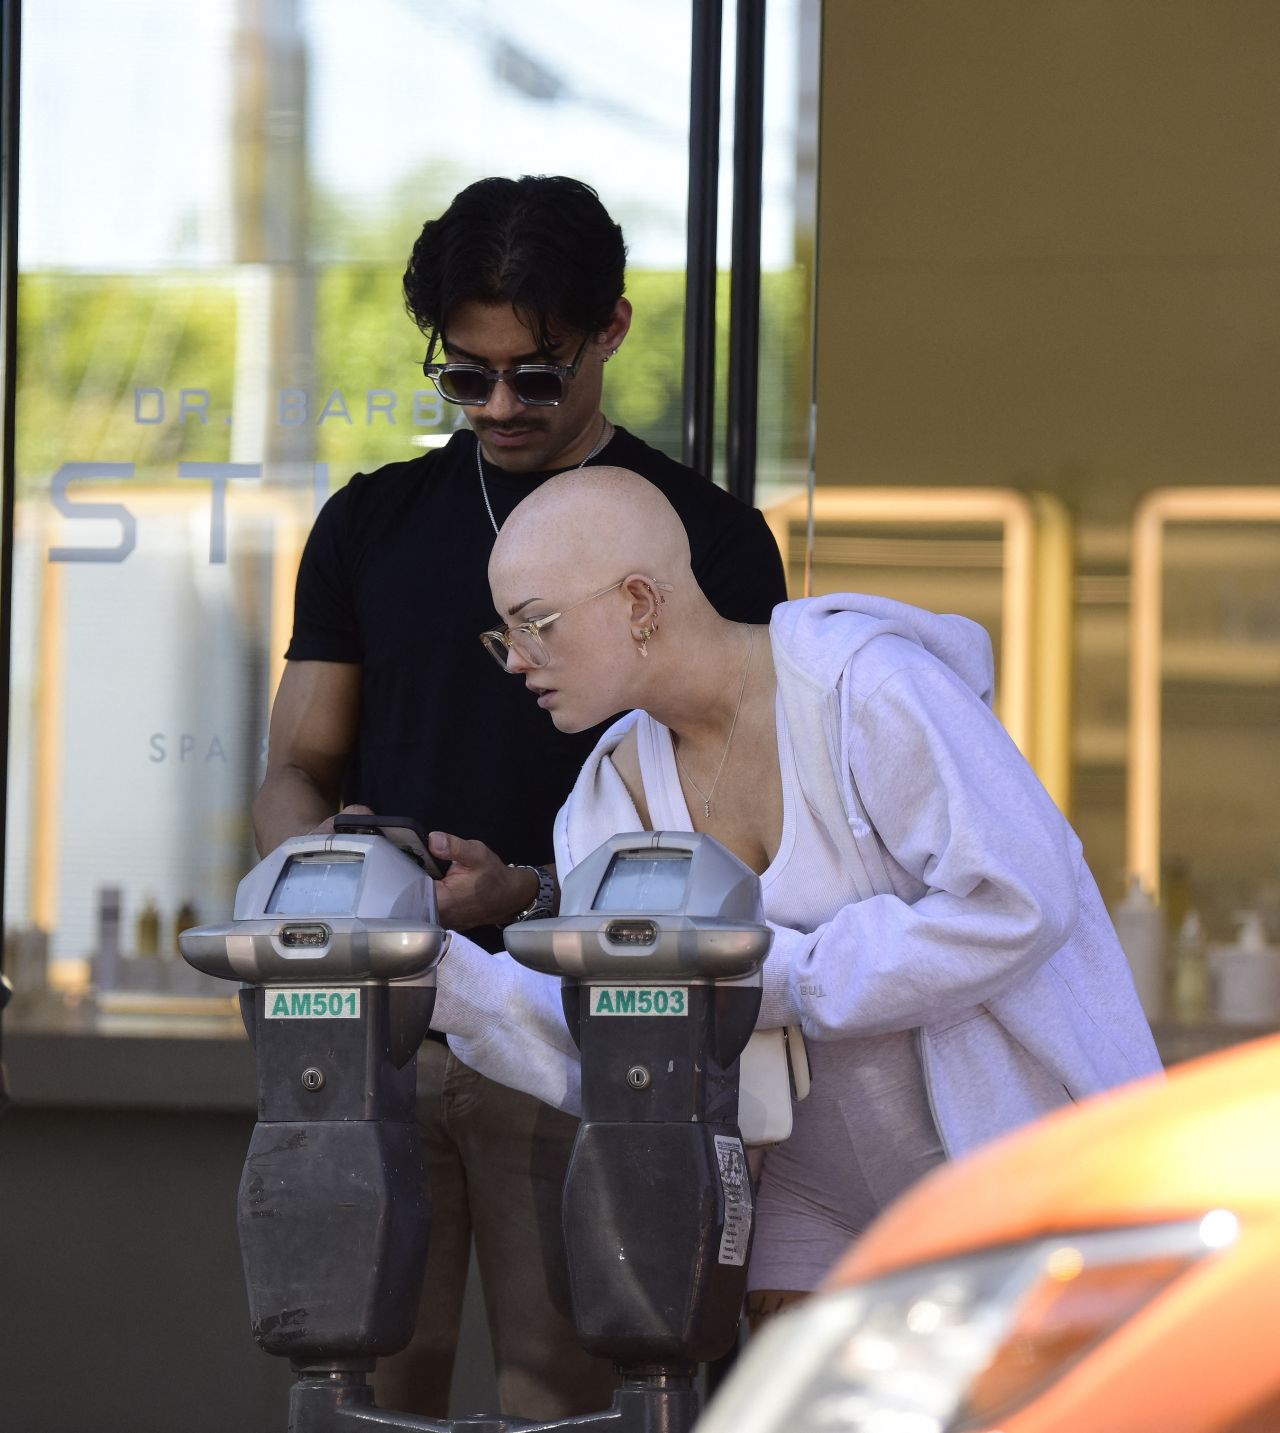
[325, 828]
[479, 888]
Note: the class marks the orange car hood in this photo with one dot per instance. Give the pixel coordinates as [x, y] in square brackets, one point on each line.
[1206, 1137]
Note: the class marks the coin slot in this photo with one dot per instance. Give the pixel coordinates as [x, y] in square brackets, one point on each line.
[304, 937]
[631, 932]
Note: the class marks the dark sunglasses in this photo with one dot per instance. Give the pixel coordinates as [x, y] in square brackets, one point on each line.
[540, 385]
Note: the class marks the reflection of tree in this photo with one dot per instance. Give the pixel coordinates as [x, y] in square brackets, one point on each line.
[87, 342]
[382, 231]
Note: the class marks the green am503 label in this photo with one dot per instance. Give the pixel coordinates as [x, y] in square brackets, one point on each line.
[639, 1000]
[311, 1003]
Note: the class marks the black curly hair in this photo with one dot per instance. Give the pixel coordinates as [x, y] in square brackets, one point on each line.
[543, 243]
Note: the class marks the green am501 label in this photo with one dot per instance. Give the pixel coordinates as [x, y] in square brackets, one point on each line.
[311, 1003]
[639, 1000]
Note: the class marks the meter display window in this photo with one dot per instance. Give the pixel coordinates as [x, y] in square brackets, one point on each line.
[317, 886]
[644, 883]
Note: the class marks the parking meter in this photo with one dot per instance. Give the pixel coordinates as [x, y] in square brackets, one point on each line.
[659, 942]
[334, 939]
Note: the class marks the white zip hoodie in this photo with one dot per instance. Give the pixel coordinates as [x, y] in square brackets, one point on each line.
[972, 917]
[978, 922]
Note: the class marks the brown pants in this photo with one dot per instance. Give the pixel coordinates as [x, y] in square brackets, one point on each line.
[496, 1161]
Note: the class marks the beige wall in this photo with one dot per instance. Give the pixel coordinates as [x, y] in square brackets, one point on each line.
[1049, 244]
[1049, 259]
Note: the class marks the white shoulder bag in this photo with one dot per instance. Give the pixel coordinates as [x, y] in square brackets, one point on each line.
[774, 1071]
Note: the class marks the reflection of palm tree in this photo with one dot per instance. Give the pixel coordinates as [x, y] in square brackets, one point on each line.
[525, 73]
[534, 67]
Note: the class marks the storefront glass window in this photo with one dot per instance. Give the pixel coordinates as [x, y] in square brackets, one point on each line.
[211, 339]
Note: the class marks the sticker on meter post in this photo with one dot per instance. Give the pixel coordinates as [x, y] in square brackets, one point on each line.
[735, 1240]
[639, 1000]
[311, 1003]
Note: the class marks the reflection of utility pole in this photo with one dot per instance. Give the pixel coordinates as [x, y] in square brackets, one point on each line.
[276, 287]
[275, 312]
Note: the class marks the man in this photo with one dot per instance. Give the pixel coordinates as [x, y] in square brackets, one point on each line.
[389, 702]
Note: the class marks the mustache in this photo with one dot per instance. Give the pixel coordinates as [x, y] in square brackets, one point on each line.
[522, 427]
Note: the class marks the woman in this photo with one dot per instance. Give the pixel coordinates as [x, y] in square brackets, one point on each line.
[936, 931]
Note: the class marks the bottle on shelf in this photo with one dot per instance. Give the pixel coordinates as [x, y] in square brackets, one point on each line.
[1139, 927]
[1175, 895]
[1189, 983]
[1247, 975]
[106, 955]
[146, 933]
[184, 918]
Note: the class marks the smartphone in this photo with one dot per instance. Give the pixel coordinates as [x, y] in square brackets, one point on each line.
[402, 831]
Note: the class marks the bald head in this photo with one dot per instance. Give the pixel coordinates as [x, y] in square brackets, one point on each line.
[587, 528]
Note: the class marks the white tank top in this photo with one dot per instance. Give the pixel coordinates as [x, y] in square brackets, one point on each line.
[805, 883]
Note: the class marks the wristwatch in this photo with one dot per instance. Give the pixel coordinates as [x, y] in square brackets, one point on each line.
[544, 900]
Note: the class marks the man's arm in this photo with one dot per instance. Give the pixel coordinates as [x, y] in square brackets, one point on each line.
[313, 731]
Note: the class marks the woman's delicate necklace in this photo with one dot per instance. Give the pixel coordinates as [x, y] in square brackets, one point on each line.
[724, 755]
[605, 434]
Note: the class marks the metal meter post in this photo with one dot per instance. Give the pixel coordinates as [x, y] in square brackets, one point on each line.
[335, 939]
[660, 940]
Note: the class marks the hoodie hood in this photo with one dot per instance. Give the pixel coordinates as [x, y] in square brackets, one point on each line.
[820, 636]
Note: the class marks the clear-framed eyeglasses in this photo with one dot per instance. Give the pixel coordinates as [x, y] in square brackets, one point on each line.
[538, 385]
[526, 639]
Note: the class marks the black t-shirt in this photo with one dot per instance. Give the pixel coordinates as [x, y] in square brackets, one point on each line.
[394, 577]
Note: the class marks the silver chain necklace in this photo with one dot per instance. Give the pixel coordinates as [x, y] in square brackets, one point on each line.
[724, 755]
[605, 434]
